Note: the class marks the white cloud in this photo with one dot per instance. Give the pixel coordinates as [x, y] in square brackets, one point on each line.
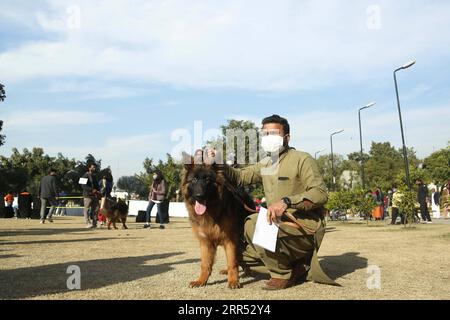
[125, 154]
[51, 118]
[253, 44]
[96, 90]
[426, 129]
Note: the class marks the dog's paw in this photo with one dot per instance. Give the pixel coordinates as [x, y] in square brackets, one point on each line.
[224, 271]
[234, 284]
[197, 284]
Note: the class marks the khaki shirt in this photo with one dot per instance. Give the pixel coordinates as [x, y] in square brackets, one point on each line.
[396, 198]
[296, 176]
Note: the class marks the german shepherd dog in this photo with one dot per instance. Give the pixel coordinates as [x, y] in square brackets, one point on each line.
[217, 217]
[115, 212]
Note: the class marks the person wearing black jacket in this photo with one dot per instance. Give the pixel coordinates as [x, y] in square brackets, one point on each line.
[48, 192]
[24, 201]
[90, 195]
[422, 195]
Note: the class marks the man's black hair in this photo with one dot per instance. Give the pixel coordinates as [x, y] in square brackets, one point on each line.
[52, 170]
[277, 119]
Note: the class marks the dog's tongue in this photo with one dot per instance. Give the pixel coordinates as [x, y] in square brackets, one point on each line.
[199, 208]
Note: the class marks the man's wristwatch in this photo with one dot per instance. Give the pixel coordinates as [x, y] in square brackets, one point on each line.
[287, 201]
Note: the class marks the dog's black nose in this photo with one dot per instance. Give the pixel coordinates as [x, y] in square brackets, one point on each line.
[199, 196]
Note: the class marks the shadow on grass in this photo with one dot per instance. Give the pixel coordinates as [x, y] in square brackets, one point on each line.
[334, 266]
[41, 232]
[330, 229]
[59, 241]
[6, 256]
[51, 279]
[255, 277]
[339, 266]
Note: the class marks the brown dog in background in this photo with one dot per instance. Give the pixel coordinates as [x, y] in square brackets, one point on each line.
[217, 217]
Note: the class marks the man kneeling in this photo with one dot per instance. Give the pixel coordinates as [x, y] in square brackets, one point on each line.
[293, 187]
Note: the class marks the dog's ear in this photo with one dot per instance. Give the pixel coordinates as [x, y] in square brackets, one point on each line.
[187, 160]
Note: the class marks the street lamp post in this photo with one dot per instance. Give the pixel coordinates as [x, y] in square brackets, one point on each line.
[405, 155]
[332, 159]
[360, 142]
[317, 152]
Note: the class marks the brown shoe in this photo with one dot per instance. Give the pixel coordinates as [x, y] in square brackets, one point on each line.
[298, 275]
[277, 284]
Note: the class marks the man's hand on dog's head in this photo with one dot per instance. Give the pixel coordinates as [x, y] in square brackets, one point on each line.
[211, 153]
[275, 211]
[210, 157]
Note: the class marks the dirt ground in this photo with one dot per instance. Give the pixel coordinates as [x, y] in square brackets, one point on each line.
[158, 264]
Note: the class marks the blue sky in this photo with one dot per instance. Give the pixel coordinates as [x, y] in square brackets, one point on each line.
[116, 78]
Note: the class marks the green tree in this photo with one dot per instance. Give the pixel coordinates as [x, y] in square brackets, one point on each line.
[131, 184]
[24, 170]
[384, 164]
[249, 130]
[234, 133]
[2, 98]
[324, 164]
[339, 200]
[362, 203]
[2, 136]
[171, 170]
[355, 200]
[2, 92]
[437, 165]
[408, 203]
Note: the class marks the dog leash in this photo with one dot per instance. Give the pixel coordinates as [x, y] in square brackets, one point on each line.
[293, 221]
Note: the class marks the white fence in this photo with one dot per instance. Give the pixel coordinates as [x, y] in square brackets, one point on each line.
[176, 209]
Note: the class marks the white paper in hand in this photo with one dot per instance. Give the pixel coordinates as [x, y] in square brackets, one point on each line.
[83, 181]
[265, 234]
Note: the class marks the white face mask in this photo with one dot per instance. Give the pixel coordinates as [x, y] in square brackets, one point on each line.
[272, 143]
[155, 176]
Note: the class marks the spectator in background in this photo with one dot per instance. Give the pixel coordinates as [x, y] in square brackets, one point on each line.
[25, 201]
[9, 199]
[198, 156]
[396, 198]
[2, 204]
[445, 198]
[106, 185]
[435, 204]
[90, 197]
[386, 204]
[105, 188]
[62, 203]
[378, 212]
[48, 193]
[156, 196]
[422, 195]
